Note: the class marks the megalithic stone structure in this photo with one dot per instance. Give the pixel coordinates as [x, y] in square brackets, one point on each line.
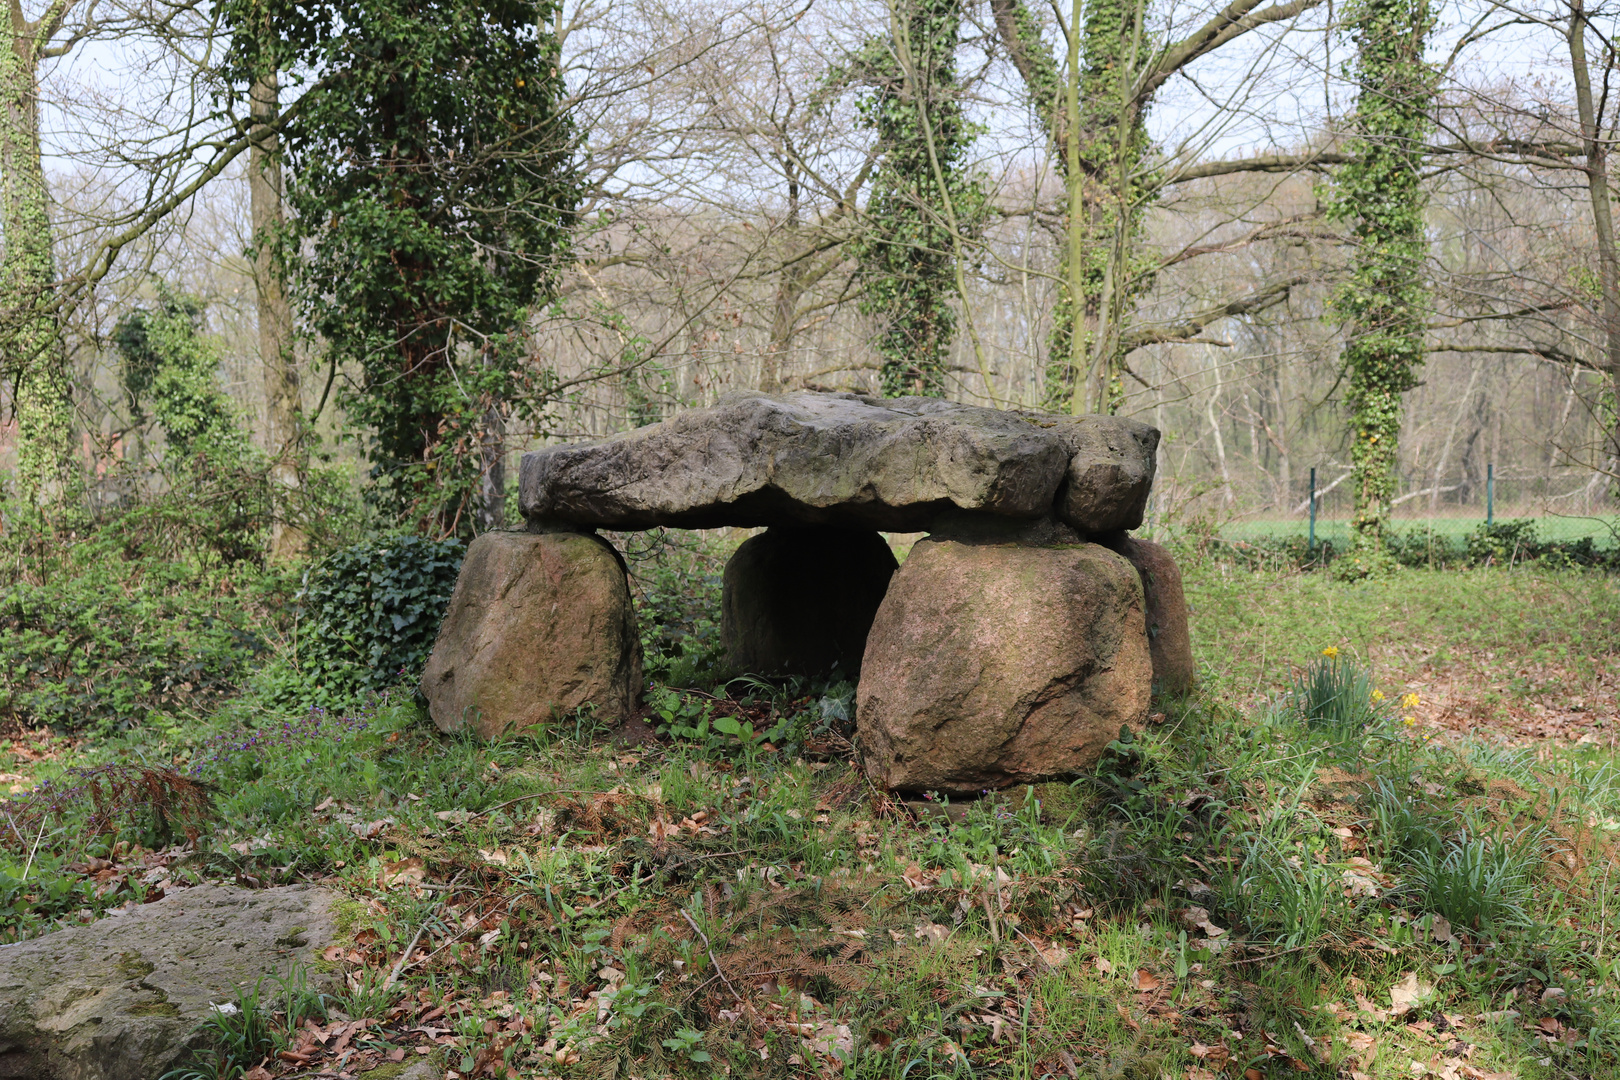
[1010, 647]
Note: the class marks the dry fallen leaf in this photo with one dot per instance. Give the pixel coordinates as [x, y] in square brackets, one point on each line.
[931, 932]
[1407, 994]
[1369, 1008]
[496, 857]
[1145, 980]
[1103, 966]
[410, 871]
[830, 1039]
[366, 830]
[1197, 918]
[1359, 1042]
[1211, 1055]
[1051, 952]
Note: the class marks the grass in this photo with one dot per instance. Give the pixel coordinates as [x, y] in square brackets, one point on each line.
[1241, 890]
[1526, 629]
[1603, 528]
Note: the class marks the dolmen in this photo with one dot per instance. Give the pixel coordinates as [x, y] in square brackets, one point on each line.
[1017, 638]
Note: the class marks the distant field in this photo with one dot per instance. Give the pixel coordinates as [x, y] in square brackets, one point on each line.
[1604, 529]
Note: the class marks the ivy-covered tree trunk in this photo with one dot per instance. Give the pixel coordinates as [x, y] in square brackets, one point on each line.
[31, 348]
[432, 197]
[1595, 149]
[1386, 298]
[1093, 106]
[924, 204]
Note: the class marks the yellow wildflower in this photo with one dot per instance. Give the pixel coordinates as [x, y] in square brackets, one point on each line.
[1410, 701]
[1331, 652]
[1409, 721]
[1378, 695]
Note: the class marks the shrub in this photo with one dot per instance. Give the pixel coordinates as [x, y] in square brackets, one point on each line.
[368, 617]
[1274, 553]
[1422, 546]
[677, 587]
[1504, 542]
[95, 637]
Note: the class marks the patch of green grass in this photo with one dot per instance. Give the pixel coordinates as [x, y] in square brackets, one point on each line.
[1252, 630]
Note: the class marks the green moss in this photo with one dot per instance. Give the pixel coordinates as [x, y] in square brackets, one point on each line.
[349, 916]
[132, 965]
[295, 938]
[154, 1008]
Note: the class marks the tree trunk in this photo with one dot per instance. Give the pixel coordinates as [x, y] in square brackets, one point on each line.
[30, 338]
[789, 288]
[491, 513]
[282, 407]
[1594, 148]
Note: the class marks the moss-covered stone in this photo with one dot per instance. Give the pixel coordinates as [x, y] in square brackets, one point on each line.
[118, 999]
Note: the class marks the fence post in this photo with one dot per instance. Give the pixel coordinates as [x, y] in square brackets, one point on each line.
[1490, 492]
[1310, 544]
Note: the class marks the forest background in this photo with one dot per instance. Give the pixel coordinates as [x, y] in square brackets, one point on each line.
[278, 278]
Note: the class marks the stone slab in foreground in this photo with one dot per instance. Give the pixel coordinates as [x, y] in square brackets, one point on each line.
[815, 458]
[119, 999]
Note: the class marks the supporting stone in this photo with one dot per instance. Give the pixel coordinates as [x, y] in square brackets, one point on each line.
[800, 601]
[997, 664]
[1168, 636]
[538, 625]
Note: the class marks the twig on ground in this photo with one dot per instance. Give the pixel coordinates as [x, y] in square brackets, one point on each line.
[710, 950]
[33, 850]
[404, 959]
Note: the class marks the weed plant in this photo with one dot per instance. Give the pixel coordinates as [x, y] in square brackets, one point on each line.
[237, 1036]
[1484, 882]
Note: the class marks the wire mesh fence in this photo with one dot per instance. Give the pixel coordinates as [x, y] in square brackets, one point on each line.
[1567, 508]
[1560, 507]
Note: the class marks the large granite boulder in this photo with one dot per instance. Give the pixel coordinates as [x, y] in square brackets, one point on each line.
[843, 459]
[996, 664]
[119, 999]
[538, 625]
[1168, 635]
[799, 601]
